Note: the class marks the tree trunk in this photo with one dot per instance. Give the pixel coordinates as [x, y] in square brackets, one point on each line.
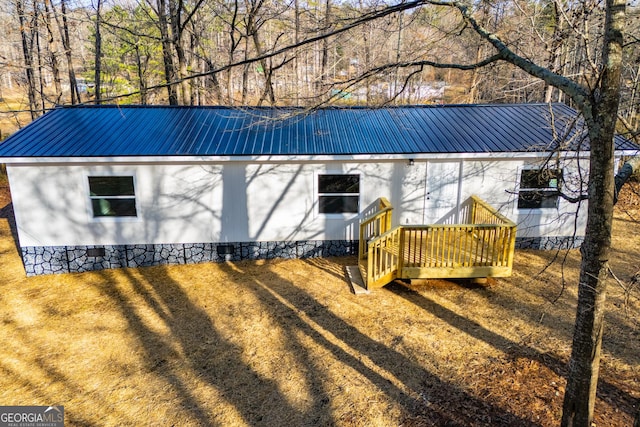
[296, 62]
[600, 115]
[396, 77]
[473, 85]
[625, 172]
[66, 43]
[175, 14]
[267, 72]
[98, 54]
[167, 57]
[367, 56]
[245, 74]
[212, 80]
[324, 57]
[53, 51]
[233, 45]
[580, 394]
[185, 92]
[28, 59]
[631, 111]
[35, 37]
[140, 68]
[554, 48]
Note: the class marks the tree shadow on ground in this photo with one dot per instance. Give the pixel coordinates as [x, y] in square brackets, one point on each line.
[196, 341]
[421, 394]
[210, 357]
[606, 391]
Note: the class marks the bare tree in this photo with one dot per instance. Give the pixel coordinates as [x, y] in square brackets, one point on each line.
[53, 49]
[26, 38]
[98, 51]
[63, 28]
[169, 68]
[598, 100]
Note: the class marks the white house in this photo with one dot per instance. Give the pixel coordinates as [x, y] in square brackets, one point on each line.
[97, 187]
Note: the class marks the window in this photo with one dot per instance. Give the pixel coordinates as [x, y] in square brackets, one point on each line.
[112, 196]
[339, 194]
[539, 188]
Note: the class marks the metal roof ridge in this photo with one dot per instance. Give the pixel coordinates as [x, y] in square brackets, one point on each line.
[306, 109]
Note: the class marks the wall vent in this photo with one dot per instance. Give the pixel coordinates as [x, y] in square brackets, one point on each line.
[225, 249]
[95, 252]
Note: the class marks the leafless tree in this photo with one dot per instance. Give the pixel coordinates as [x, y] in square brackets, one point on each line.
[27, 51]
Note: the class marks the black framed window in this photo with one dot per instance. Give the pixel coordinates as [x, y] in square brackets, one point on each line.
[339, 193]
[539, 188]
[112, 196]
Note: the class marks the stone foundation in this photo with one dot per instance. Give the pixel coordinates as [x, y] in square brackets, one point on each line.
[40, 260]
[77, 259]
[549, 243]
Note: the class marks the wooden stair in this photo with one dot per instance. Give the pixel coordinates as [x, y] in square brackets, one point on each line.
[356, 280]
[482, 247]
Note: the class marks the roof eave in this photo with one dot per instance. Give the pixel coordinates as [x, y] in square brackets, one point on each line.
[292, 158]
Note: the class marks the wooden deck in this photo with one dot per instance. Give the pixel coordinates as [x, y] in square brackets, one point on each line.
[482, 248]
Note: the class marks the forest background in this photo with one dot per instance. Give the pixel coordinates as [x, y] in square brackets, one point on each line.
[293, 52]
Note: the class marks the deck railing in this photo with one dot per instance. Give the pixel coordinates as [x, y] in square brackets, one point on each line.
[482, 248]
[375, 225]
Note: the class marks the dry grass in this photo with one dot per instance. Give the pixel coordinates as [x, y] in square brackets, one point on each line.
[285, 343]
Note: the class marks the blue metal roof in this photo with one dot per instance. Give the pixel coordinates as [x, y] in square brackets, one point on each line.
[114, 131]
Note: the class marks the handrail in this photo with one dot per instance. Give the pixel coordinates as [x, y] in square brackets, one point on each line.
[385, 203]
[455, 246]
[375, 225]
[477, 201]
[383, 257]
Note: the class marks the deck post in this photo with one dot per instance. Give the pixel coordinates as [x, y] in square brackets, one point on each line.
[512, 245]
[401, 250]
[368, 281]
[473, 210]
[374, 226]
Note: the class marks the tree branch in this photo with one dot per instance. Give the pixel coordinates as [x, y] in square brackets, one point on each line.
[577, 92]
[465, 67]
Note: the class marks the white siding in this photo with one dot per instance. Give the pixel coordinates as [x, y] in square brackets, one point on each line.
[175, 204]
[497, 182]
[233, 201]
[262, 201]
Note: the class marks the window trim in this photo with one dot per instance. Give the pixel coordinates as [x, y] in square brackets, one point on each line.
[318, 194]
[89, 198]
[547, 189]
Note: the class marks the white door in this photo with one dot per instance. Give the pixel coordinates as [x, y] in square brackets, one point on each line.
[442, 193]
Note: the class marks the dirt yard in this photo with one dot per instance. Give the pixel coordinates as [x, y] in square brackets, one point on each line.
[284, 343]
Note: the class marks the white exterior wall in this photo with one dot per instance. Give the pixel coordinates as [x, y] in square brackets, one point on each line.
[190, 203]
[239, 201]
[52, 205]
[497, 182]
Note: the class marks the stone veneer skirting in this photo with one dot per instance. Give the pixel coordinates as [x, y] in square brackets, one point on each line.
[76, 259]
[549, 243]
[40, 260]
